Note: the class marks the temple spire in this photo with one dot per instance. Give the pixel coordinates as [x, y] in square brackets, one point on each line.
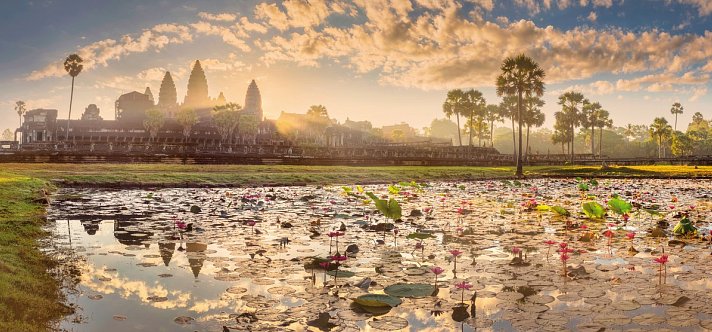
[253, 100]
[167, 96]
[197, 96]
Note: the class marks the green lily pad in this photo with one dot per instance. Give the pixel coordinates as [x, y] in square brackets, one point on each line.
[410, 290]
[619, 206]
[593, 210]
[560, 211]
[378, 300]
[341, 273]
[419, 236]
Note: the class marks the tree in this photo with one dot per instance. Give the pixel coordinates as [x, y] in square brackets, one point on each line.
[493, 114]
[682, 144]
[675, 110]
[508, 109]
[154, 122]
[589, 113]
[443, 128]
[533, 117]
[20, 108]
[601, 117]
[474, 108]
[571, 115]
[227, 118]
[7, 135]
[520, 76]
[73, 66]
[454, 105]
[660, 129]
[318, 111]
[187, 118]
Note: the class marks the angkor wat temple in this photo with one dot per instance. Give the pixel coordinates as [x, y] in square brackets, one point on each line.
[291, 135]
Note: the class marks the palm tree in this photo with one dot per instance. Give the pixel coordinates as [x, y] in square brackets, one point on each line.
[533, 117]
[602, 120]
[20, 108]
[453, 105]
[520, 76]
[508, 109]
[187, 118]
[493, 115]
[629, 130]
[660, 129]
[473, 106]
[571, 115]
[675, 110]
[73, 66]
[589, 114]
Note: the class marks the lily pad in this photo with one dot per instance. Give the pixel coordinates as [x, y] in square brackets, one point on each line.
[419, 236]
[378, 300]
[593, 210]
[409, 290]
[341, 273]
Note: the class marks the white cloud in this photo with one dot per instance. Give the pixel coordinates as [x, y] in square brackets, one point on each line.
[592, 16]
[223, 17]
[704, 7]
[698, 93]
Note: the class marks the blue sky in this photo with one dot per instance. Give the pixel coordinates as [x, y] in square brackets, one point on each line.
[386, 61]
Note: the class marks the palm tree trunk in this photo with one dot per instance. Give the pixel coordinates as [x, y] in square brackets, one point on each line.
[470, 129]
[69, 118]
[514, 142]
[479, 133]
[675, 121]
[660, 146]
[573, 139]
[600, 141]
[492, 134]
[526, 151]
[593, 134]
[520, 171]
[459, 137]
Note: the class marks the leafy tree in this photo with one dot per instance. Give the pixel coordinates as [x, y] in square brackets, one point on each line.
[533, 117]
[520, 76]
[73, 66]
[443, 128]
[602, 119]
[474, 108]
[676, 110]
[570, 115]
[493, 114]
[154, 122]
[660, 129]
[454, 105]
[589, 113]
[508, 109]
[7, 135]
[227, 118]
[318, 111]
[187, 118]
[682, 144]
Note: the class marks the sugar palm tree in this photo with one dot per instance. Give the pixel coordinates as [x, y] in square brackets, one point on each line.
[533, 118]
[508, 109]
[602, 120]
[493, 115]
[73, 66]
[660, 129]
[675, 110]
[453, 105]
[474, 106]
[571, 115]
[20, 108]
[520, 76]
[589, 119]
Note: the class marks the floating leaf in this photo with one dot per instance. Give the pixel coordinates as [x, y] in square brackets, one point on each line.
[419, 236]
[619, 206]
[378, 300]
[341, 273]
[582, 186]
[593, 182]
[593, 210]
[684, 227]
[561, 211]
[542, 207]
[410, 290]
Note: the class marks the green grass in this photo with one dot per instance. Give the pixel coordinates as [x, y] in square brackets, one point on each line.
[244, 175]
[30, 299]
[29, 296]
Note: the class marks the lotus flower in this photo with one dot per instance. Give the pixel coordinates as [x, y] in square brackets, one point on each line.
[437, 271]
[662, 260]
[464, 285]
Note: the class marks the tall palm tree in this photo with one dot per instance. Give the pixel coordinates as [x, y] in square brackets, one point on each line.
[474, 106]
[20, 108]
[73, 66]
[508, 109]
[602, 120]
[493, 115]
[453, 105]
[675, 110]
[520, 76]
[533, 118]
[571, 115]
[660, 129]
[589, 119]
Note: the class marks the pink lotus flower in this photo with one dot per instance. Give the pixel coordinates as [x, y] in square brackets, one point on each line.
[463, 285]
[338, 258]
[630, 235]
[563, 245]
[550, 242]
[516, 250]
[564, 257]
[437, 270]
[625, 217]
[455, 252]
[419, 245]
[583, 226]
[663, 259]
[672, 207]
[608, 233]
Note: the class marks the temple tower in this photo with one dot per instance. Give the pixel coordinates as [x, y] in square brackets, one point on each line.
[197, 96]
[253, 100]
[167, 96]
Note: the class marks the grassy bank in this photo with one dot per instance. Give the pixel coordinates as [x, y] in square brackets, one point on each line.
[191, 175]
[29, 295]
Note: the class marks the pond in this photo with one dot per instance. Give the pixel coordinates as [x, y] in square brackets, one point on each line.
[233, 259]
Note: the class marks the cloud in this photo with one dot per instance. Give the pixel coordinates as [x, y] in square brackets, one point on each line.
[592, 16]
[704, 7]
[223, 17]
[211, 64]
[100, 53]
[228, 35]
[698, 93]
[302, 14]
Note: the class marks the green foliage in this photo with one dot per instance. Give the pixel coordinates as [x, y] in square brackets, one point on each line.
[409, 290]
[394, 190]
[561, 211]
[341, 273]
[419, 236]
[684, 227]
[582, 186]
[593, 210]
[619, 206]
[390, 209]
[378, 300]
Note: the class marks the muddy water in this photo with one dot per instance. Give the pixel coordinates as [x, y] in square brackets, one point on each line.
[191, 259]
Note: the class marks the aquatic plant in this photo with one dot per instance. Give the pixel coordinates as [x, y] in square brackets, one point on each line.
[685, 227]
[463, 285]
[593, 210]
[437, 271]
[337, 259]
[390, 208]
[662, 260]
[455, 253]
[251, 223]
[549, 243]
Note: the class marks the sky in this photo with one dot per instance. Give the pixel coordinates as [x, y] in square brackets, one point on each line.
[386, 61]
